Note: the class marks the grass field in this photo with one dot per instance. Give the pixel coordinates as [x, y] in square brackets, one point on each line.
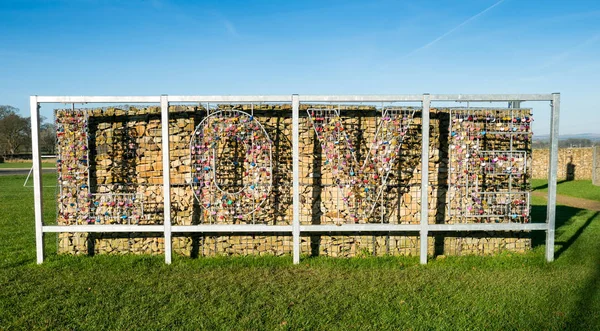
[575, 188]
[509, 291]
[11, 165]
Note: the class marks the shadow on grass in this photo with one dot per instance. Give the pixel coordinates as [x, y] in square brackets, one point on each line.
[545, 186]
[563, 217]
[585, 312]
[566, 244]
[585, 315]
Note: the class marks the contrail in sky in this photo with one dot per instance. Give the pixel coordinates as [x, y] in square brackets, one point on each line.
[570, 51]
[453, 29]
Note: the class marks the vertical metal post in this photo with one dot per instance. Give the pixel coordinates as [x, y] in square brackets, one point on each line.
[514, 104]
[296, 175]
[37, 178]
[552, 175]
[594, 164]
[424, 178]
[166, 173]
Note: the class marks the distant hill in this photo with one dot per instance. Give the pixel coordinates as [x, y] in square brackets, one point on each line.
[590, 136]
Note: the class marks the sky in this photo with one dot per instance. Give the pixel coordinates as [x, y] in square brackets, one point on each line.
[177, 47]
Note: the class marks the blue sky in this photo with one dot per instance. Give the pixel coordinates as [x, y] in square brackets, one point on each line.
[151, 47]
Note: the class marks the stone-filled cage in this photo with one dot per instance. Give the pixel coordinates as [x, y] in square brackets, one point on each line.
[296, 175]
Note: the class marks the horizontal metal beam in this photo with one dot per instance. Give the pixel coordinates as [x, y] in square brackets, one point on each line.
[488, 227]
[103, 228]
[361, 98]
[261, 228]
[230, 98]
[302, 98]
[98, 99]
[417, 227]
[491, 97]
[419, 97]
[359, 228]
[232, 228]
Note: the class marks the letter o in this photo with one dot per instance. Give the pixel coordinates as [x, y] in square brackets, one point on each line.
[238, 142]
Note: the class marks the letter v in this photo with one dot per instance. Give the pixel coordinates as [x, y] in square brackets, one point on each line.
[360, 185]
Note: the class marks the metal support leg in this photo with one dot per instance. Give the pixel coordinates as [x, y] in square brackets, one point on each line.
[37, 178]
[424, 178]
[296, 176]
[28, 176]
[166, 174]
[552, 175]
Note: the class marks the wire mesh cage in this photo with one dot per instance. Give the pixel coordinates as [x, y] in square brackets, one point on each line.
[360, 184]
[116, 208]
[72, 166]
[232, 165]
[489, 160]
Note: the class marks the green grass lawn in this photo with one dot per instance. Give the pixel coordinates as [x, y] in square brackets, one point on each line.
[576, 188]
[10, 165]
[509, 291]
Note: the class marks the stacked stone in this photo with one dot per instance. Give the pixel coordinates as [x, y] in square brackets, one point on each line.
[225, 245]
[362, 245]
[579, 159]
[126, 157]
[486, 243]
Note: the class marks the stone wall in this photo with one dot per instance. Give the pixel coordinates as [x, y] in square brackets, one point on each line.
[110, 172]
[578, 161]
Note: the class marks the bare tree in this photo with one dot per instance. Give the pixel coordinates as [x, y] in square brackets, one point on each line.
[14, 133]
[48, 138]
[6, 110]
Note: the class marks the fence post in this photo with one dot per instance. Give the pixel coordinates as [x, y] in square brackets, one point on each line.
[296, 175]
[37, 178]
[424, 178]
[552, 175]
[594, 165]
[166, 174]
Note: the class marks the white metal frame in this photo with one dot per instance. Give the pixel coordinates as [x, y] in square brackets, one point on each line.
[296, 229]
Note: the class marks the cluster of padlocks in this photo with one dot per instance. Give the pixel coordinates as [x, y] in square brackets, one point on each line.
[231, 164]
[488, 163]
[360, 182]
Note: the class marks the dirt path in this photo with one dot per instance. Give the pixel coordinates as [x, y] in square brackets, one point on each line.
[571, 201]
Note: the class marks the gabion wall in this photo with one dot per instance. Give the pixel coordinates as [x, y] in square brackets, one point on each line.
[110, 172]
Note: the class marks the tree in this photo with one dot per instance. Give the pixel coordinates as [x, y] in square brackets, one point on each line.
[48, 138]
[575, 142]
[14, 133]
[6, 110]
